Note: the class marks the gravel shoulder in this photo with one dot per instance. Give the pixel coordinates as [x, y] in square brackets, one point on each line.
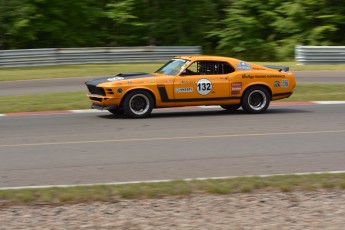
[263, 210]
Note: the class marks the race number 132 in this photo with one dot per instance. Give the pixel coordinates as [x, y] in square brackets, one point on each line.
[204, 86]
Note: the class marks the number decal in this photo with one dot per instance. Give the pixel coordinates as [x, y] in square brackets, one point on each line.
[204, 86]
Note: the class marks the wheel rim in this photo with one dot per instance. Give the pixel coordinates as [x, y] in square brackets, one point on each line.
[139, 104]
[257, 100]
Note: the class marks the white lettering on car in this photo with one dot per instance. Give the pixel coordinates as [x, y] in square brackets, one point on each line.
[184, 90]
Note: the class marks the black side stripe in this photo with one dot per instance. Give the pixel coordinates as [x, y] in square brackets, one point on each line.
[164, 97]
[163, 93]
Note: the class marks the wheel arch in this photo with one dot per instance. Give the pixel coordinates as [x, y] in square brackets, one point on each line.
[260, 84]
[139, 89]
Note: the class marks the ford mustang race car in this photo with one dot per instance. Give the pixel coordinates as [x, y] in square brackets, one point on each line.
[193, 81]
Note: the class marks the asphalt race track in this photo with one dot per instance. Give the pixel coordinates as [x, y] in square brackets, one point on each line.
[77, 83]
[174, 143]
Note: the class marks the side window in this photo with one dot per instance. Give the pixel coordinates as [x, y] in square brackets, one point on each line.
[208, 68]
[192, 69]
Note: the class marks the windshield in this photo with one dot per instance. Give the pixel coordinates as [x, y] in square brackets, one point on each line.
[173, 67]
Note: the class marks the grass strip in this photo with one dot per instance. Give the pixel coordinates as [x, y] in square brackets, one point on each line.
[318, 92]
[44, 102]
[112, 193]
[78, 100]
[65, 71]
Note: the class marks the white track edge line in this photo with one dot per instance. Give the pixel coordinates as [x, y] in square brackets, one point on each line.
[329, 102]
[87, 111]
[167, 180]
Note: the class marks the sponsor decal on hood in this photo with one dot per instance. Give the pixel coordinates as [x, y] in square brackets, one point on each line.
[116, 79]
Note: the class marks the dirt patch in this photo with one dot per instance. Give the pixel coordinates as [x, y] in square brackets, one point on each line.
[263, 210]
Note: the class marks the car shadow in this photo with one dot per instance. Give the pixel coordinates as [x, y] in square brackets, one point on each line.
[202, 113]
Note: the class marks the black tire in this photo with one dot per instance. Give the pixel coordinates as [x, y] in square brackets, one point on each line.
[256, 100]
[138, 104]
[231, 107]
[116, 111]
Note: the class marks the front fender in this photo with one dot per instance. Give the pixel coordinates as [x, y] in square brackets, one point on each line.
[131, 89]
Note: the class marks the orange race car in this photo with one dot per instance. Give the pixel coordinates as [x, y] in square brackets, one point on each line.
[191, 81]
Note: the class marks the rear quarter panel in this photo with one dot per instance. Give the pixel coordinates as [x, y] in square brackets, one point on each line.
[280, 84]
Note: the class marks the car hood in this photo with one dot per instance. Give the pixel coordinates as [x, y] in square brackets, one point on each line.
[119, 77]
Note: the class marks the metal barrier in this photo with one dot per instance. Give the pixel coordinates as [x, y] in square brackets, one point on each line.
[67, 56]
[305, 55]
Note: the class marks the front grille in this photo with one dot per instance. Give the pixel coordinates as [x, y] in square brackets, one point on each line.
[96, 90]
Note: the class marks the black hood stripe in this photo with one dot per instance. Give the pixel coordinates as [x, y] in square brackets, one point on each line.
[126, 76]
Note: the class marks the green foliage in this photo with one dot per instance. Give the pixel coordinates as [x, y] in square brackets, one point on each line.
[247, 29]
[122, 25]
[177, 23]
[269, 29]
[13, 16]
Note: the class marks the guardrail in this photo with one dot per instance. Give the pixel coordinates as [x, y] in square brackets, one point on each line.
[305, 55]
[67, 56]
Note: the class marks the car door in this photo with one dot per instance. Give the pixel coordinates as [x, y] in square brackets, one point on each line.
[202, 80]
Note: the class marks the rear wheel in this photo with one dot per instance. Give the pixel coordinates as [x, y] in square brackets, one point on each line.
[138, 104]
[256, 100]
[231, 107]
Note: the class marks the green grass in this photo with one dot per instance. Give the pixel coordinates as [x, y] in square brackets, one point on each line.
[78, 100]
[318, 92]
[113, 193]
[28, 73]
[44, 102]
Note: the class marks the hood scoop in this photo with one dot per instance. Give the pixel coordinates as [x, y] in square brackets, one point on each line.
[132, 74]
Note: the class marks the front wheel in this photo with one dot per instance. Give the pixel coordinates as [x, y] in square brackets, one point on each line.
[116, 111]
[138, 104]
[256, 100]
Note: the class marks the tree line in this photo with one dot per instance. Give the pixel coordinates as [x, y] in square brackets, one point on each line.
[248, 29]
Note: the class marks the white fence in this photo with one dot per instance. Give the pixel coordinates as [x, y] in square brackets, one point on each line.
[66, 56]
[305, 55]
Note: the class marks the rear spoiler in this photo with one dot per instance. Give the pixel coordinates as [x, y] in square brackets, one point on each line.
[280, 68]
